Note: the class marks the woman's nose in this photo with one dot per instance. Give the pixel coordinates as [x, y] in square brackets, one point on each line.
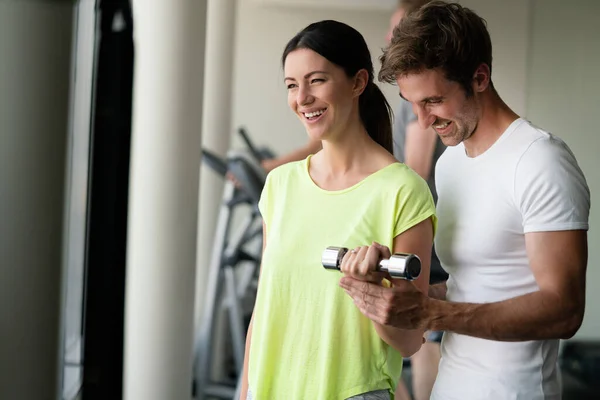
[304, 96]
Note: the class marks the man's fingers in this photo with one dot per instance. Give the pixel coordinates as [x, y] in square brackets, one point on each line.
[369, 310]
[365, 291]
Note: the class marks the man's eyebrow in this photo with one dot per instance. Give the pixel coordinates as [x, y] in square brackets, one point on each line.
[426, 99]
[306, 76]
[432, 99]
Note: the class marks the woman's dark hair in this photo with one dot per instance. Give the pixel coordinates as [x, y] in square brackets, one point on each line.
[345, 47]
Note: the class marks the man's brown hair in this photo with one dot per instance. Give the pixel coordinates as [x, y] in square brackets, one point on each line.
[440, 35]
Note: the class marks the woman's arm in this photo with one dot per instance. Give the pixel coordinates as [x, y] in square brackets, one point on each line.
[360, 264]
[244, 389]
[417, 240]
[301, 153]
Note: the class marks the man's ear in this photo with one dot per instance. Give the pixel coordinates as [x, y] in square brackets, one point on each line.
[481, 78]
[361, 79]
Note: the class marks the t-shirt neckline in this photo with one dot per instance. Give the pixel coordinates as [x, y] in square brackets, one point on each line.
[345, 190]
[507, 132]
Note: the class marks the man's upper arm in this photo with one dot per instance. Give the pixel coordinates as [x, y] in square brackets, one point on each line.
[558, 261]
[554, 201]
[419, 148]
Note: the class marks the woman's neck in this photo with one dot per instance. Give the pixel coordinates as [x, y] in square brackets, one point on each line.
[347, 151]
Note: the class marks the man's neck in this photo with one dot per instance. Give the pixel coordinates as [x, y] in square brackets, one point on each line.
[496, 117]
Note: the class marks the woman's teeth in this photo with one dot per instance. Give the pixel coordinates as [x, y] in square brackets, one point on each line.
[314, 114]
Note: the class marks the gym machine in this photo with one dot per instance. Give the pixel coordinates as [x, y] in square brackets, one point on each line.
[233, 274]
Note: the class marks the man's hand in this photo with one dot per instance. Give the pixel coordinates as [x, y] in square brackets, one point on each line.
[402, 306]
[233, 179]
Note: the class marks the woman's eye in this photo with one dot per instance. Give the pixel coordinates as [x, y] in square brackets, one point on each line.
[316, 80]
[291, 86]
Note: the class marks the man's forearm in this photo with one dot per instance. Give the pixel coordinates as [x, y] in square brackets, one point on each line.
[534, 316]
[438, 291]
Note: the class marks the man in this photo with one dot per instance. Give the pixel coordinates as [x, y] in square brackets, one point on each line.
[513, 212]
[420, 149]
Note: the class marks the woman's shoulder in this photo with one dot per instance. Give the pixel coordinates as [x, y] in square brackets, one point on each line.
[288, 171]
[401, 175]
[399, 181]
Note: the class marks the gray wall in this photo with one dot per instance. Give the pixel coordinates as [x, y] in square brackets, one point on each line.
[35, 48]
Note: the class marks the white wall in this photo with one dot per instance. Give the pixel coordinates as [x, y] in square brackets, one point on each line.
[260, 99]
[508, 24]
[562, 96]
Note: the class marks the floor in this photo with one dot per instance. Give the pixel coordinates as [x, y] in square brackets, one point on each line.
[573, 389]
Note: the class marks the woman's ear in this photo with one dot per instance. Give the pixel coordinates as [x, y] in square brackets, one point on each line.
[361, 80]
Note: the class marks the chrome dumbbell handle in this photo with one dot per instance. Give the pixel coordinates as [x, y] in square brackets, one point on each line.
[399, 265]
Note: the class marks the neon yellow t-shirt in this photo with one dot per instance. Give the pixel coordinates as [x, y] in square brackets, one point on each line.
[309, 340]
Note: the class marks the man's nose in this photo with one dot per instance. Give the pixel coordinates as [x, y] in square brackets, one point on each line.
[426, 119]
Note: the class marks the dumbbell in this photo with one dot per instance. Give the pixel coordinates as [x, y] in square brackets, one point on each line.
[399, 266]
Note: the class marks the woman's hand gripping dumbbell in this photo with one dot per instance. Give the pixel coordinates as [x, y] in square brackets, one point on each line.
[398, 266]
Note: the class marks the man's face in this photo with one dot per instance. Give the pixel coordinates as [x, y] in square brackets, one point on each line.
[441, 104]
[394, 21]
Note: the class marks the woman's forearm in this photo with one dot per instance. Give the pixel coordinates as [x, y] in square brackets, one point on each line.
[406, 342]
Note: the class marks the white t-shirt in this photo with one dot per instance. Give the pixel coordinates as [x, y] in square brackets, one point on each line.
[527, 181]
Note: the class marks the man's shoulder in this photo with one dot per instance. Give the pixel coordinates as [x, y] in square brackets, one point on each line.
[528, 135]
[539, 147]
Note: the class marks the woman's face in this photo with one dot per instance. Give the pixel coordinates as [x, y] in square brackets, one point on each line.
[320, 93]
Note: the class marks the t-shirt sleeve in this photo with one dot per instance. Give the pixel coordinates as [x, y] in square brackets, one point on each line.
[265, 203]
[550, 188]
[414, 204]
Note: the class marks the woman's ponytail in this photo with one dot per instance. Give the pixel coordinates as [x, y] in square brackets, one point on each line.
[376, 115]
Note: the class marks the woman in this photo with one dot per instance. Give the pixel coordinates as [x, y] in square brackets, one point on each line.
[307, 340]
